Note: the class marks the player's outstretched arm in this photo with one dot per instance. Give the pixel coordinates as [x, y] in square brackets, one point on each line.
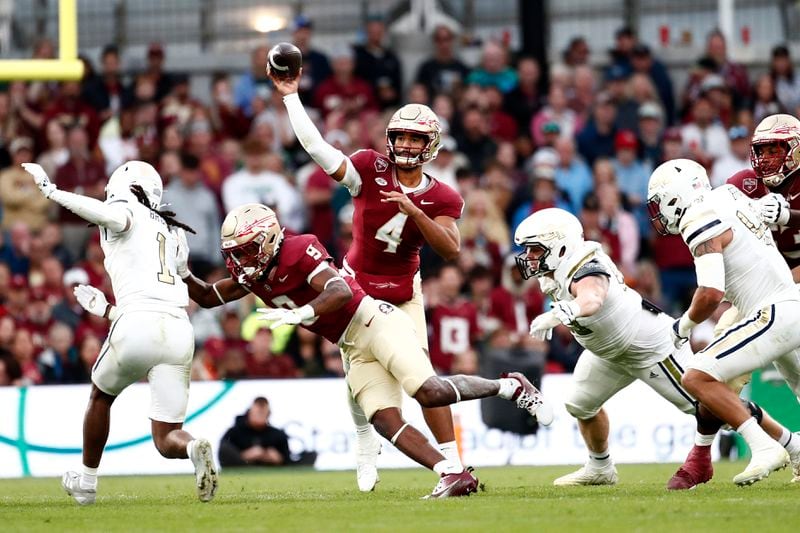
[590, 293]
[109, 216]
[211, 295]
[710, 269]
[332, 161]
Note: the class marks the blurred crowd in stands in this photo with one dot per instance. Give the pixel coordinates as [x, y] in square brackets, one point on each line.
[584, 139]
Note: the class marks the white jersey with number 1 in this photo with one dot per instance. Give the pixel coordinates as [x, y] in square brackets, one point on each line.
[142, 261]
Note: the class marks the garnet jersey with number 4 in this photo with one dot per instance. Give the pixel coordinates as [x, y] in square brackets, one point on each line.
[286, 284]
[787, 239]
[386, 245]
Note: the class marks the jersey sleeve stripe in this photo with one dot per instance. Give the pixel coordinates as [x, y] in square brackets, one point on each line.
[696, 233]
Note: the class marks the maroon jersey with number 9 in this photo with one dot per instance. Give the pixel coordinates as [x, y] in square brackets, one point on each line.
[385, 250]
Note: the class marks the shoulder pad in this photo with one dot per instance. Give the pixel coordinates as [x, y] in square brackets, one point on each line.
[592, 268]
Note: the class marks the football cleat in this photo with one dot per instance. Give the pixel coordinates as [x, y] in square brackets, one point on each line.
[531, 399]
[587, 475]
[795, 460]
[762, 464]
[454, 485]
[71, 481]
[695, 470]
[204, 470]
[366, 461]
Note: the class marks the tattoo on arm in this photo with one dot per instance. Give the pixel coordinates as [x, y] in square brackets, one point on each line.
[711, 246]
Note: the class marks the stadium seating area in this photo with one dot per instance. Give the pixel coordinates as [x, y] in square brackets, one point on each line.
[585, 139]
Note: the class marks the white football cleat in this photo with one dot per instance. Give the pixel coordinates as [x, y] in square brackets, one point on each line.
[587, 475]
[531, 399]
[71, 481]
[204, 470]
[762, 464]
[366, 463]
[795, 460]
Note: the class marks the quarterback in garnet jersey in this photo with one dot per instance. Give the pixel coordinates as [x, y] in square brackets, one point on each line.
[398, 208]
[775, 155]
[293, 275]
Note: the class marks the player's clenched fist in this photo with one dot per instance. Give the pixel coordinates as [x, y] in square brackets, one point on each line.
[774, 209]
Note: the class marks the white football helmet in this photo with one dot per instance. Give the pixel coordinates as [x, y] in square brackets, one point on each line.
[672, 187]
[418, 119]
[136, 173]
[780, 130]
[556, 232]
[251, 238]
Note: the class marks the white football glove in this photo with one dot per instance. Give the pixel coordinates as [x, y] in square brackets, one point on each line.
[279, 316]
[681, 330]
[774, 209]
[40, 177]
[91, 299]
[182, 259]
[566, 312]
[542, 326]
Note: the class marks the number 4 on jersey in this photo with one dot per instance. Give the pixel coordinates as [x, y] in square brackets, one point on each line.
[391, 232]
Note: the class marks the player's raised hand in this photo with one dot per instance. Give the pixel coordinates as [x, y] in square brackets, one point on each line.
[282, 84]
[403, 202]
[542, 326]
[91, 299]
[182, 258]
[774, 209]
[40, 177]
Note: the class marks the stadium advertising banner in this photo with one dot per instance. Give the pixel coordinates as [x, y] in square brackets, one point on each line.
[41, 427]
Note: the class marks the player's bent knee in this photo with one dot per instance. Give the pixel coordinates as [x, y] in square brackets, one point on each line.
[387, 421]
[580, 412]
[434, 392]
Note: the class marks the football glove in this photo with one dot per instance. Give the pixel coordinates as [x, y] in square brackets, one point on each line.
[542, 326]
[682, 330]
[182, 259]
[40, 177]
[774, 209]
[93, 300]
[279, 316]
[566, 312]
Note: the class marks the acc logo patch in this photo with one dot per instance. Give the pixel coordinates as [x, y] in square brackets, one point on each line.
[749, 185]
[385, 308]
[381, 165]
[382, 182]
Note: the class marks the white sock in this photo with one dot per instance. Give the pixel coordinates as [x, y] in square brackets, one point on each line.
[364, 432]
[599, 459]
[755, 437]
[446, 466]
[789, 440]
[703, 440]
[88, 478]
[450, 452]
[508, 386]
[189, 448]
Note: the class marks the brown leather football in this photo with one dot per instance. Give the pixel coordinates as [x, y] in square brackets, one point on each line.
[285, 60]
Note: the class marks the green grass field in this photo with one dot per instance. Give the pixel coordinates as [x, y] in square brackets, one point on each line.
[515, 499]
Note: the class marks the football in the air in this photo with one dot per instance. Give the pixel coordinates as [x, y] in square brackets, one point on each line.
[285, 60]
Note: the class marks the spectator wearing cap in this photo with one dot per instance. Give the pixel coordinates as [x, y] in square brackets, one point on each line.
[156, 57]
[551, 132]
[704, 139]
[651, 129]
[557, 110]
[68, 311]
[82, 174]
[787, 83]
[316, 67]
[734, 74]
[250, 81]
[19, 195]
[378, 64]
[443, 72]
[596, 139]
[544, 194]
[343, 92]
[195, 205]
[765, 98]
[494, 69]
[632, 175]
[255, 183]
[15, 252]
[737, 159]
[573, 175]
[618, 88]
[643, 62]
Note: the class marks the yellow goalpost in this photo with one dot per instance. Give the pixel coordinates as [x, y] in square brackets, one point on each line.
[66, 67]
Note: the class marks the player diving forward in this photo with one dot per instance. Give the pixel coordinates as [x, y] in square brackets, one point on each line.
[294, 275]
[398, 208]
[736, 259]
[150, 334]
